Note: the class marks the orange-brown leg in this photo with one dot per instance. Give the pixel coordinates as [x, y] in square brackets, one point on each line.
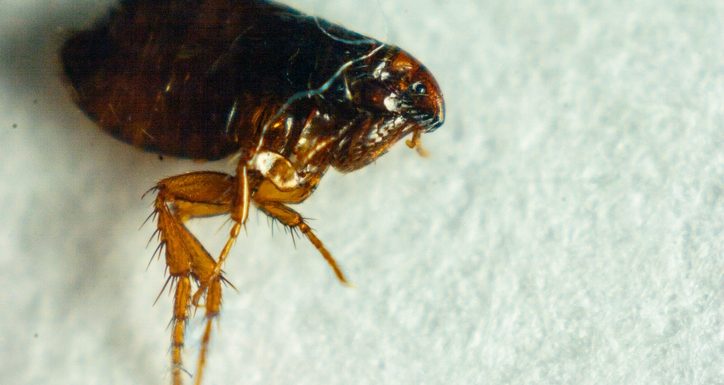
[239, 210]
[180, 198]
[238, 207]
[293, 219]
[213, 305]
[239, 213]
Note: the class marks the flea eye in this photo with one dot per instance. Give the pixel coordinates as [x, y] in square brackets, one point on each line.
[418, 88]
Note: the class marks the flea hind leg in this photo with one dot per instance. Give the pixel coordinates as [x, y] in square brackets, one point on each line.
[293, 219]
[178, 199]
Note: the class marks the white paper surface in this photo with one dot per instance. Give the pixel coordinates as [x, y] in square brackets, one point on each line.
[567, 228]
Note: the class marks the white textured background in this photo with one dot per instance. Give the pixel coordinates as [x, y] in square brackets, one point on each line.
[567, 229]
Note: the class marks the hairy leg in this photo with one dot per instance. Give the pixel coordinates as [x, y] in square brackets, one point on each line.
[294, 220]
[180, 198]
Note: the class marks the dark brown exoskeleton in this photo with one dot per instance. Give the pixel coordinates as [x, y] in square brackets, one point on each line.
[289, 95]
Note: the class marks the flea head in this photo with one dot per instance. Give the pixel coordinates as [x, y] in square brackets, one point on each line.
[393, 95]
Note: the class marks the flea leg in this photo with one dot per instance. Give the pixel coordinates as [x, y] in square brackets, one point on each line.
[239, 213]
[293, 219]
[237, 197]
[213, 305]
[182, 298]
[239, 210]
[238, 206]
[180, 198]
